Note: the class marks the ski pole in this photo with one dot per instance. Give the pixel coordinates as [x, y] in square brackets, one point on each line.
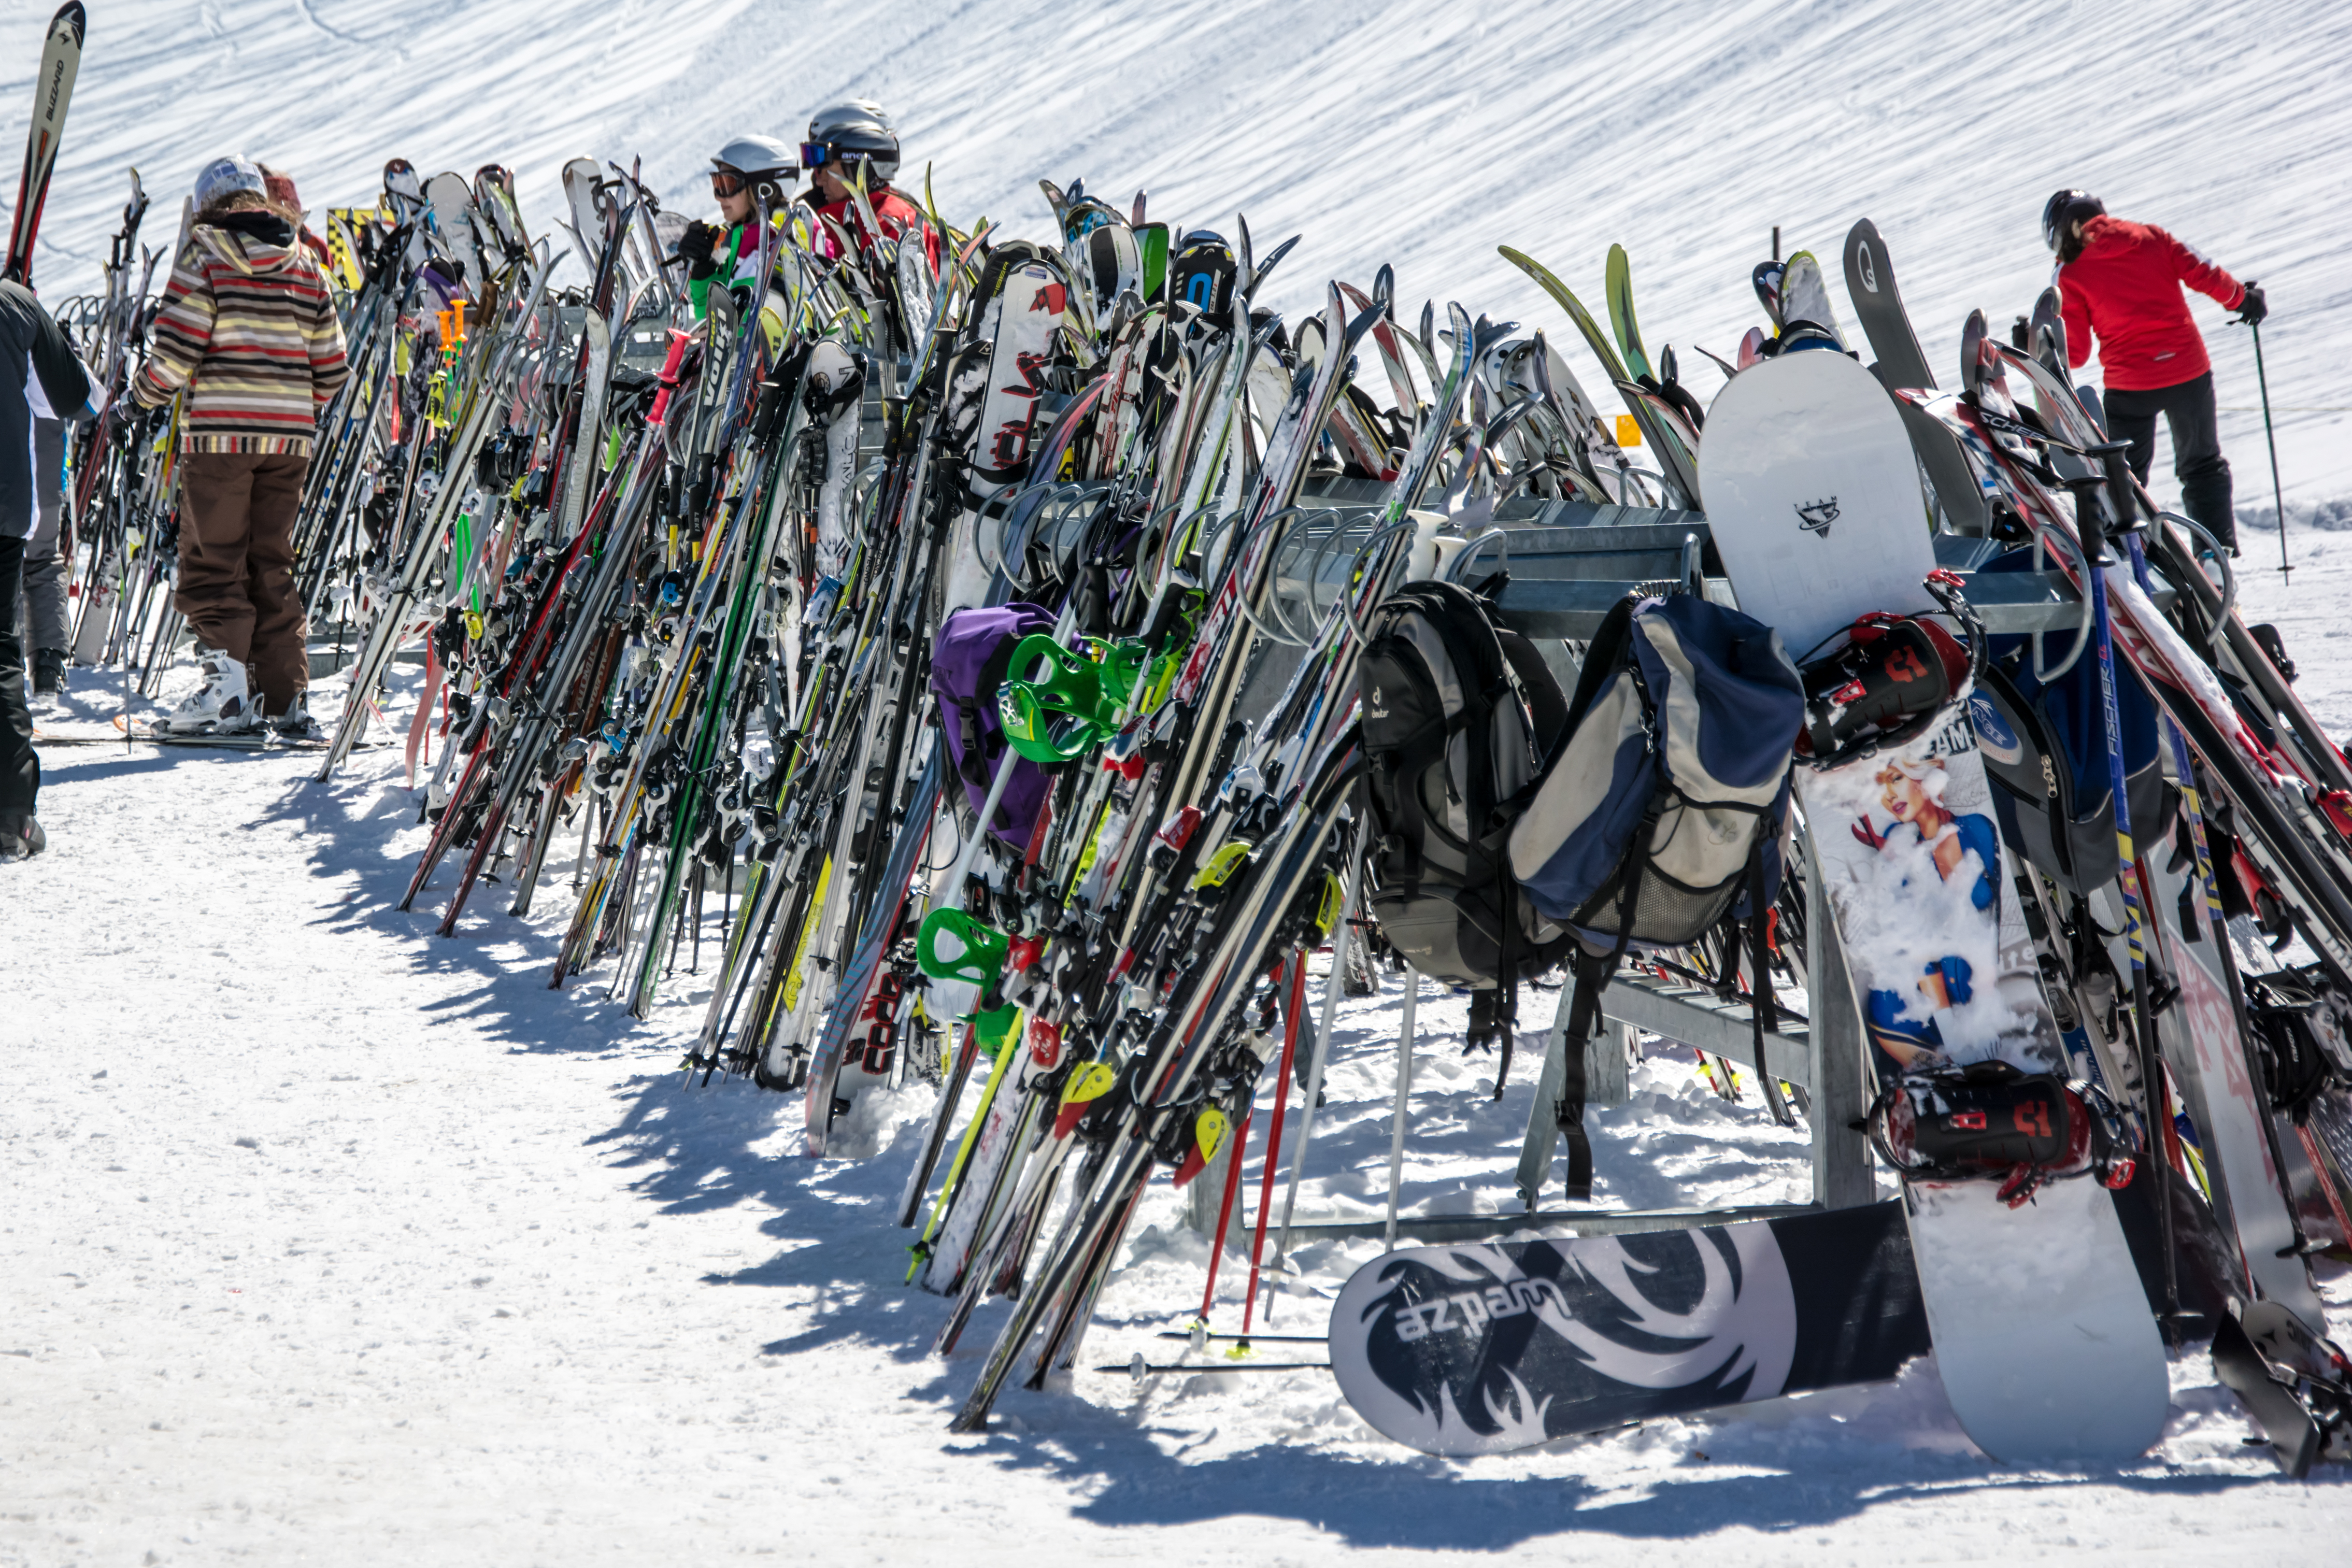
[2136, 915]
[1339, 935]
[1295, 998]
[1290, 1023]
[2278, 496]
[1403, 1088]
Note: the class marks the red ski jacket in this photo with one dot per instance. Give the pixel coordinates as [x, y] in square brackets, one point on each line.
[894, 211]
[2126, 287]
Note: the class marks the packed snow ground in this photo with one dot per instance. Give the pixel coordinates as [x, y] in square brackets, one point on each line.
[328, 1238]
[1422, 132]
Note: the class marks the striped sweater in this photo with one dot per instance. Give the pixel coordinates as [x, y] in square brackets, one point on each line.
[248, 327]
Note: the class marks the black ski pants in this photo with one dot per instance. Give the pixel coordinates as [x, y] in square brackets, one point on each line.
[20, 766]
[2197, 460]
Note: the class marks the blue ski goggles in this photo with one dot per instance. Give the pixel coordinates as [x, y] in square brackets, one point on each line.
[815, 155]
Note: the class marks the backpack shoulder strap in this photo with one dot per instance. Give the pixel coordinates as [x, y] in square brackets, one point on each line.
[1610, 647]
[1592, 973]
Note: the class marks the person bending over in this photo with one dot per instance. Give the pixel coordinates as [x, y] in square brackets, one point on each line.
[2121, 282]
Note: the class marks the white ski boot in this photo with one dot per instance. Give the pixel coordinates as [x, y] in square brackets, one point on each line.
[223, 705]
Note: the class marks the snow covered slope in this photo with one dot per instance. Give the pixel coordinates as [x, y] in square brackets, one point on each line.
[1418, 131]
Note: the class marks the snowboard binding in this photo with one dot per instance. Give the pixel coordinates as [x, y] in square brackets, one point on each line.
[1991, 1119]
[1891, 681]
[2295, 1385]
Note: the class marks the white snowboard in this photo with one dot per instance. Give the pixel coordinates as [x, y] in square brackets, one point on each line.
[2043, 1335]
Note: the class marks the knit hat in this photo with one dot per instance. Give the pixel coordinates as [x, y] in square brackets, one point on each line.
[281, 187]
[223, 176]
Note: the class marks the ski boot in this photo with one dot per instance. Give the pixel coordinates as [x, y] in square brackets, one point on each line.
[1989, 1119]
[49, 675]
[21, 837]
[223, 705]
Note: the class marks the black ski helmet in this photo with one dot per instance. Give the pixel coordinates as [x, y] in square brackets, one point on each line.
[765, 164]
[845, 132]
[2064, 210]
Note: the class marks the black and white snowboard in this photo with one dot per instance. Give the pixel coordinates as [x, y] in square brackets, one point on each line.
[1480, 1350]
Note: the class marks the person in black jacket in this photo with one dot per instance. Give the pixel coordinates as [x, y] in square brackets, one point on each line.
[39, 378]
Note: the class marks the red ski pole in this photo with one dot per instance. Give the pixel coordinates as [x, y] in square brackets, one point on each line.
[1293, 1006]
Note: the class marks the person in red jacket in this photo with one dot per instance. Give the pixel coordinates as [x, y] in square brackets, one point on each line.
[2121, 282]
[838, 138]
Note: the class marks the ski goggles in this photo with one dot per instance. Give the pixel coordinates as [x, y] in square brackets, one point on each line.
[815, 155]
[728, 182]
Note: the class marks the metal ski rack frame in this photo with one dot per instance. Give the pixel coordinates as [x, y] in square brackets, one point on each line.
[1569, 562]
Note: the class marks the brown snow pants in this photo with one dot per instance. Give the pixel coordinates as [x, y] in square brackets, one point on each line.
[236, 565]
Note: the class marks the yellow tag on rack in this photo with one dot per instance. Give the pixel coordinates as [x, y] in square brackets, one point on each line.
[1628, 430]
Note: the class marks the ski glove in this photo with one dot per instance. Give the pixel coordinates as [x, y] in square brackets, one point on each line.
[2252, 307]
[696, 245]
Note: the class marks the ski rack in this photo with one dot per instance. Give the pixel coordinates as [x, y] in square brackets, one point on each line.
[1569, 563]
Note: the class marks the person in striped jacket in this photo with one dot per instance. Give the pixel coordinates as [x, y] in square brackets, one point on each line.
[247, 338]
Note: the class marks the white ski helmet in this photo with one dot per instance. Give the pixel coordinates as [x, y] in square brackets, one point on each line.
[764, 164]
[225, 176]
[845, 132]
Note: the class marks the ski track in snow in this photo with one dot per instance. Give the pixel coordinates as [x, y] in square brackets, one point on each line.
[327, 1238]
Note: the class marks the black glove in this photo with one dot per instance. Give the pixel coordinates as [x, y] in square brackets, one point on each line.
[696, 244]
[2253, 307]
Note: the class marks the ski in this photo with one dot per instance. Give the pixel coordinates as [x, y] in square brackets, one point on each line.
[53, 87]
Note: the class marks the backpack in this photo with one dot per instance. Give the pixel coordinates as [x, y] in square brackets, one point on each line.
[970, 659]
[1659, 814]
[2046, 750]
[1457, 712]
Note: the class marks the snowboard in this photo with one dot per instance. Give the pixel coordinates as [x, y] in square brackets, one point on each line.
[2043, 1334]
[1870, 284]
[1887, 326]
[1481, 1350]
